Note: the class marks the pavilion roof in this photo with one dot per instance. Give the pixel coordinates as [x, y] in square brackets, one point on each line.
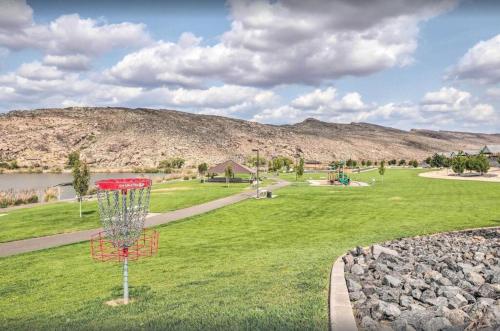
[237, 168]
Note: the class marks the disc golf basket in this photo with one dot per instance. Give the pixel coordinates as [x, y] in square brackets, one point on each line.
[123, 206]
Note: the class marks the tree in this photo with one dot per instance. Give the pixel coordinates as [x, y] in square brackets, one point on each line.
[414, 163]
[300, 168]
[73, 158]
[482, 164]
[458, 164]
[402, 162]
[363, 163]
[174, 162]
[381, 169]
[202, 168]
[428, 160]
[252, 161]
[392, 162]
[228, 173]
[368, 163]
[349, 163]
[81, 179]
[439, 161]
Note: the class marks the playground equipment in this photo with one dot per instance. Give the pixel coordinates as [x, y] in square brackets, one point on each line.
[337, 174]
[123, 206]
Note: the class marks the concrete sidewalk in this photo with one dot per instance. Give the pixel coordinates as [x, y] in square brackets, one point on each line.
[35, 244]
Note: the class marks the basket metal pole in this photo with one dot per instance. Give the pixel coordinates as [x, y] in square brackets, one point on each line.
[125, 280]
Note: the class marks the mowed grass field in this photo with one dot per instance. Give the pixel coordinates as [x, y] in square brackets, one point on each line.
[65, 217]
[258, 264]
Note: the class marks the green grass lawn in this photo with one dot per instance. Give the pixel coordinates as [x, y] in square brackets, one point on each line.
[258, 264]
[64, 217]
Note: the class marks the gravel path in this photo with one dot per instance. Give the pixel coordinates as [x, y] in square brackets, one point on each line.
[446, 281]
[34, 244]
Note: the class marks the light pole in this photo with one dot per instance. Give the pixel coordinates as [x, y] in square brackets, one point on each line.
[258, 163]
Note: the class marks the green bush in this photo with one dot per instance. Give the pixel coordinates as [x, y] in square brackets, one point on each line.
[185, 177]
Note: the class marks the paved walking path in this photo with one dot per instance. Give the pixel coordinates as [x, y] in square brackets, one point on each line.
[35, 244]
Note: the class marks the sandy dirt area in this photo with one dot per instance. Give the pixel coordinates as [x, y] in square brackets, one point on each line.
[493, 175]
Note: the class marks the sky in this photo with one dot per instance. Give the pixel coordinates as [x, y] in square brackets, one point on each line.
[431, 64]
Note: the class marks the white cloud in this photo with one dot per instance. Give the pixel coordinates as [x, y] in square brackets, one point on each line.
[493, 92]
[321, 104]
[285, 42]
[68, 62]
[68, 41]
[481, 62]
[15, 15]
[445, 100]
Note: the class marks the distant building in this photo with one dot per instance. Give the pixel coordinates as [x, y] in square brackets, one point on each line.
[491, 150]
[237, 168]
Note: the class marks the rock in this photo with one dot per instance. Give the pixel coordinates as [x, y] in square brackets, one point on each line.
[416, 293]
[357, 295]
[367, 323]
[448, 291]
[437, 324]
[444, 281]
[474, 278]
[401, 325]
[418, 284]
[357, 269]
[428, 296]
[353, 286]
[391, 281]
[457, 301]
[479, 256]
[388, 310]
[377, 250]
[405, 301]
[348, 261]
[487, 291]
[456, 316]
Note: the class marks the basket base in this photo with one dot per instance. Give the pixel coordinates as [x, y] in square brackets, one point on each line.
[118, 302]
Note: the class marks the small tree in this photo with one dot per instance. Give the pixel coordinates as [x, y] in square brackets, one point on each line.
[228, 173]
[369, 163]
[381, 169]
[402, 162]
[73, 158]
[81, 179]
[414, 163]
[363, 163]
[458, 164]
[300, 168]
[202, 168]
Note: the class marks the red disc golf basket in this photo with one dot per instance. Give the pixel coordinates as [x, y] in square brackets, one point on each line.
[123, 206]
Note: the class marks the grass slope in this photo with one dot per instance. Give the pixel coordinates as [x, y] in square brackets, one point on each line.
[64, 217]
[259, 264]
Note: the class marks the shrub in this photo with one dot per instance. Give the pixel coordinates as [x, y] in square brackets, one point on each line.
[185, 177]
[193, 177]
[202, 168]
[175, 162]
[16, 198]
[368, 163]
[402, 162]
[50, 194]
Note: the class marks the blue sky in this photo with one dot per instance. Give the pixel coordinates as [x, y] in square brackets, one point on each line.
[406, 64]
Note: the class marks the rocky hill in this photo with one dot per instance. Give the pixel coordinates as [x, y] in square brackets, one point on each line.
[114, 138]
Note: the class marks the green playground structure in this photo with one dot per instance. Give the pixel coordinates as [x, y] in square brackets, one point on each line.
[337, 174]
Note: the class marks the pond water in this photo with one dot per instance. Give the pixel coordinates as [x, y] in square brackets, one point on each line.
[40, 182]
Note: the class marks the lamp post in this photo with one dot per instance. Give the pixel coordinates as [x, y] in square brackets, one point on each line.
[258, 163]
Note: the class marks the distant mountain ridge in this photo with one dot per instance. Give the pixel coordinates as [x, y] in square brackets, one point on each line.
[121, 138]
